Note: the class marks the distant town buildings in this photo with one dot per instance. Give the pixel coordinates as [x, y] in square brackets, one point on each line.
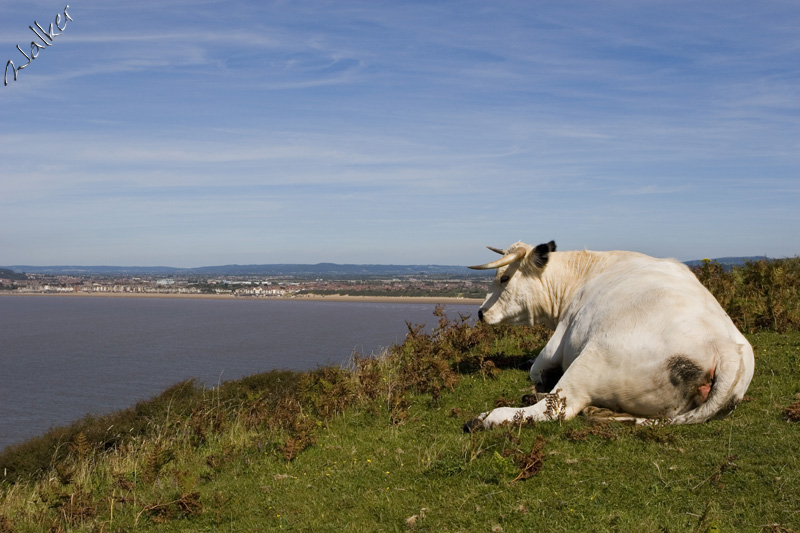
[243, 287]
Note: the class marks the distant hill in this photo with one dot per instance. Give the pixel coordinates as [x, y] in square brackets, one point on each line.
[320, 270]
[5, 273]
[730, 262]
[60, 270]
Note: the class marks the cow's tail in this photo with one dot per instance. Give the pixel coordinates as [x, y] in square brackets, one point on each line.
[727, 390]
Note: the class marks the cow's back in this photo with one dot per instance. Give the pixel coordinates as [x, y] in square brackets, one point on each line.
[640, 294]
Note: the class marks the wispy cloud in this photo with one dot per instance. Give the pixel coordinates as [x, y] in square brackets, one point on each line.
[650, 190]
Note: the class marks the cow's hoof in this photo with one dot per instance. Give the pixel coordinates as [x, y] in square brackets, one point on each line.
[473, 425]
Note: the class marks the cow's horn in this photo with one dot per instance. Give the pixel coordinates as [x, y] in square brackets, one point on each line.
[507, 259]
[497, 250]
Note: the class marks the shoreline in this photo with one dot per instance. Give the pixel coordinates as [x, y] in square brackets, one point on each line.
[310, 298]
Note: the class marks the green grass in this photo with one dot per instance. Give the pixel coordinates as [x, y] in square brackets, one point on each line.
[373, 453]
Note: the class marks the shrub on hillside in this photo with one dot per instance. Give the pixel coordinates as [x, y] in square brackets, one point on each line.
[432, 362]
[759, 296]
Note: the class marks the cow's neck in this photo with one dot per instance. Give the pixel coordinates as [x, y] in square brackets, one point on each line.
[565, 273]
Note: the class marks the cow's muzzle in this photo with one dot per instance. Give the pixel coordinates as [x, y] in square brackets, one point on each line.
[480, 315]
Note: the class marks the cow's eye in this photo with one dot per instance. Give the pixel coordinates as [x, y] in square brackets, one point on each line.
[504, 279]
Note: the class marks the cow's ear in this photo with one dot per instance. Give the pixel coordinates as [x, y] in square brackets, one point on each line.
[542, 253]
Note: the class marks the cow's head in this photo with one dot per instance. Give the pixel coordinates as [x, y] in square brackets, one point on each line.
[511, 298]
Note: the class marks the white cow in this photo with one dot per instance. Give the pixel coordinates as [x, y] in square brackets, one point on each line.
[633, 334]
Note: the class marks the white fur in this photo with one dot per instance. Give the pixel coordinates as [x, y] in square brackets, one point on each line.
[618, 318]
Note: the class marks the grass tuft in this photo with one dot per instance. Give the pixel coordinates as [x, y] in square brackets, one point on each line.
[530, 463]
[792, 412]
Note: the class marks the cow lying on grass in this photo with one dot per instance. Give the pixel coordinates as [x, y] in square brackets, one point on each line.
[633, 334]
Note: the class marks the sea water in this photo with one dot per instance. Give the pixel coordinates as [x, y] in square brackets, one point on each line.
[63, 357]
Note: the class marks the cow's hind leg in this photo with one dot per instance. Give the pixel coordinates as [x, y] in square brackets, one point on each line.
[601, 415]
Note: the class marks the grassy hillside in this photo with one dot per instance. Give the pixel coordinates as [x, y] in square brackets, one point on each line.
[379, 447]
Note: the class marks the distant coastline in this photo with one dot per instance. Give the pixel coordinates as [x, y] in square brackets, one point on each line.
[310, 298]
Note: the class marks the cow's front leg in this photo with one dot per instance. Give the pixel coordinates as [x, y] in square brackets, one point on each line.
[559, 405]
[547, 367]
[501, 415]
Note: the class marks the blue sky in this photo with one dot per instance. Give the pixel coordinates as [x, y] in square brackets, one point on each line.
[215, 132]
